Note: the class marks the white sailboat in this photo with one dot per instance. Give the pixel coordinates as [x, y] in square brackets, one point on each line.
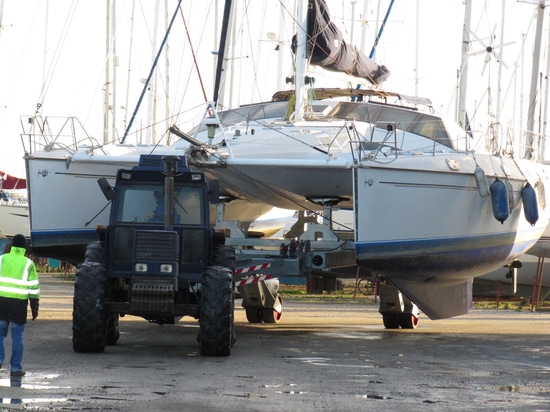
[14, 208]
[430, 212]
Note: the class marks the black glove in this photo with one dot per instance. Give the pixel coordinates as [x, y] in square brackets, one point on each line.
[34, 308]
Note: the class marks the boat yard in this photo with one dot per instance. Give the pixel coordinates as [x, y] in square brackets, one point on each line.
[429, 208]
[323, 356]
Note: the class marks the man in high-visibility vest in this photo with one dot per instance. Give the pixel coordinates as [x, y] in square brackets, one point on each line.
[18, 285]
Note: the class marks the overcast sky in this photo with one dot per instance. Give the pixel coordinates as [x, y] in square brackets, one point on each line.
[53, 53]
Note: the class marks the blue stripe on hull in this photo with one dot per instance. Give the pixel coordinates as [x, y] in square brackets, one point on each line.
[66, 245]
[446, 260]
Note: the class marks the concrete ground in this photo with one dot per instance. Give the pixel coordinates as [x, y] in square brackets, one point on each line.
[322, 356]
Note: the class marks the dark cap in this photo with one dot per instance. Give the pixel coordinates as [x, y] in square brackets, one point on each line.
[19, 241]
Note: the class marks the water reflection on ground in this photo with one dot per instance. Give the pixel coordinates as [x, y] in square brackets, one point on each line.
[22, 390]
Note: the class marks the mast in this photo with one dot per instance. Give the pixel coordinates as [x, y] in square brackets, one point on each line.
[280, 78]
[107, 73]
[534, 82]
[167, 75]
[546, 99]
[129, 70]
[221, 50]
[463, 75]
[151, 73]
[114, 60]
[300, 69]
[152, 95]
[1, 15]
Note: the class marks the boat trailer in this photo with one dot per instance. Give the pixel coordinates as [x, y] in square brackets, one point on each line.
[319, 249]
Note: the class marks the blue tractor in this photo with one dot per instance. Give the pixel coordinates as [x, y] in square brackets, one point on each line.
[158, 259]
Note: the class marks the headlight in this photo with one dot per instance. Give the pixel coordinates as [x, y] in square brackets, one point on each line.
[165, 268]
[141, 267]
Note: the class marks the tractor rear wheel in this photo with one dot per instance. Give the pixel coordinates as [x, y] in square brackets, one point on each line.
[216, 312]
[89, 319]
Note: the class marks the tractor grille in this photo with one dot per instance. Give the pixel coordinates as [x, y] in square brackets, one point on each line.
[152, 296]
[156, 245]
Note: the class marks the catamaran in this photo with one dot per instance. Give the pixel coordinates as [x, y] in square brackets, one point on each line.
[430, 212]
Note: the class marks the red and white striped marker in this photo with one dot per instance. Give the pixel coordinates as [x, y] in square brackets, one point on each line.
[252, 268]
[253, 280]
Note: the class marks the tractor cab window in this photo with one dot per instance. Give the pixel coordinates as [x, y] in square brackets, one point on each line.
[145, 204]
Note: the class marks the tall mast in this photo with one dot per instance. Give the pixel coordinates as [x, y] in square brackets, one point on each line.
[301, 46]
[107, 91]
[221, 50]
[167, 74]
[463, 75]
[152, 95]
[1, 14]
[113, 57]
[151, 73]
[534, 82]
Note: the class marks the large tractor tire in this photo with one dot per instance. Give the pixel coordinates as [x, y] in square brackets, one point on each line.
[89, 320]
[225, 256]
[216, 312]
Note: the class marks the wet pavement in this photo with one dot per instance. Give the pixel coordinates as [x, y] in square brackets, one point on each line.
[322, 356]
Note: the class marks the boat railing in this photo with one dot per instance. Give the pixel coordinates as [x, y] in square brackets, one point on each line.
[345, 134]
[54, 133]
[385, 141]
[382, 144]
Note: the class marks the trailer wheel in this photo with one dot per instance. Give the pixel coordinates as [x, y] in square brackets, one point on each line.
[391, 320]
[408, 321]
[216, 312]
[273, 315]
[254, 315]
[88, 310]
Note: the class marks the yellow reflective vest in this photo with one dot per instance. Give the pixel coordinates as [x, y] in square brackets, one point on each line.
[18, 278]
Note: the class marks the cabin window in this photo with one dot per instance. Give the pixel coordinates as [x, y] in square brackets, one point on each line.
[145, 204]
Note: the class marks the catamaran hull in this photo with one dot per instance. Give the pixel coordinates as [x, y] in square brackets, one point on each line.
[67, 205]
[420, 220]
[430, 232]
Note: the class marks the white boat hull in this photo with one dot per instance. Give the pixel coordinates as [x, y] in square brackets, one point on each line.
[427, 230]
[14, 219]
[67, 205]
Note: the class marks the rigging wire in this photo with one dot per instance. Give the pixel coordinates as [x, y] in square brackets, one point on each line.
[56, 55]
[194, 56]
[151, 73]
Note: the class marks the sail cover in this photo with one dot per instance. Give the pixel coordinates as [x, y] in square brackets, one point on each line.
[326, 47]
[11, 182]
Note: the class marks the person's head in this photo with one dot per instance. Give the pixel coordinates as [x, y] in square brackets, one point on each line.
[19, 241]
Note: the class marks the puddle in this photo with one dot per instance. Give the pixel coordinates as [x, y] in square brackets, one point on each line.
[509, 388]
[318, 361]
[351, 335]
[373, 396]
[31, 401]
[19, 396]
[32, 381]
[283, 390]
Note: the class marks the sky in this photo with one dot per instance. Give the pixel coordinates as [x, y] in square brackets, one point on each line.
[53, 56]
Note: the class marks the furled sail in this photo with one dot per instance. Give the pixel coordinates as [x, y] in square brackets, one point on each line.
[326, 47]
